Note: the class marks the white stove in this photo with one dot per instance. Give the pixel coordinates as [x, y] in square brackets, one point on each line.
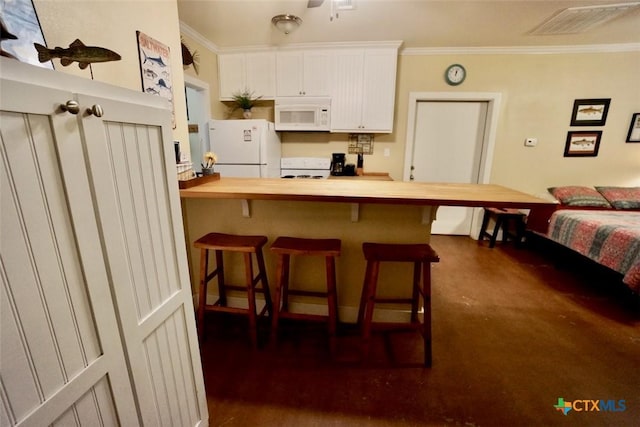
[305, 167]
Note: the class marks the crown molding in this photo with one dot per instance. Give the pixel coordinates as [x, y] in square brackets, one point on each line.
[187, 30]
[524, 50]
[496, 50]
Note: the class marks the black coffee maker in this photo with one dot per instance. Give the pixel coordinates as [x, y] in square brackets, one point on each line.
[337, 164]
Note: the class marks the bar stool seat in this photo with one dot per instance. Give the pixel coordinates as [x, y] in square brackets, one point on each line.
[503, 217]
[248, 246]
[421, 256]
[284, 248]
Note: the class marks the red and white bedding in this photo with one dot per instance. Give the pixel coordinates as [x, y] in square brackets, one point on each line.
[610, 238]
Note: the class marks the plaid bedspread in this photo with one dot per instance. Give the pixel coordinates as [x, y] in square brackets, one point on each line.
[609, 238]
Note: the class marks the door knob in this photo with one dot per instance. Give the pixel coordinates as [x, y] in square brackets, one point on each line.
[96, 110]
[70, 106]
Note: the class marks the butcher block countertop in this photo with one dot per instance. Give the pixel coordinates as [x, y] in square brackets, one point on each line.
[364, 191]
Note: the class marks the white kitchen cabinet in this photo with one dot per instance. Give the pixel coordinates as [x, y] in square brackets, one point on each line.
[97, 319]
[303, 73]
[364, 86]
[252, 71]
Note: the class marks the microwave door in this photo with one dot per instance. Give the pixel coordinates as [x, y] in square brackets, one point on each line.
[294, 118]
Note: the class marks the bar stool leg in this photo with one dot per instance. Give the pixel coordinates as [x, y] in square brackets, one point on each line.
[202, 296]
[280, 272]
[265, 282]
[222, 290]
[364, 295]
[285, 281]
[251, 296]
[332, 302]
[494, 236]
[485, 223]
[415, 300]
[426, 326]
[372, 274]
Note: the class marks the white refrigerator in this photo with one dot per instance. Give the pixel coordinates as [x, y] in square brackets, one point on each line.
[245, 148]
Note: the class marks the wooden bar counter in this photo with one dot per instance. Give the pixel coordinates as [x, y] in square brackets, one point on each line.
[354, 211]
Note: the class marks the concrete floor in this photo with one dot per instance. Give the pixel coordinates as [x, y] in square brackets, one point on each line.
[512, 333]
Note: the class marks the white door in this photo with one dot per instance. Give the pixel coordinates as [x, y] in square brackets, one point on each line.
[447, 147]
[62, 361]
[132, 168]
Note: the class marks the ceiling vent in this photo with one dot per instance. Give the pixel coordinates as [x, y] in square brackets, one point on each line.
[580, 19]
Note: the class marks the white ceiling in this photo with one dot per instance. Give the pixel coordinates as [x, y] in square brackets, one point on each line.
[418, 23]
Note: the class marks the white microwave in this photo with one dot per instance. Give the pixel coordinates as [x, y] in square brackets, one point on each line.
[303, 114]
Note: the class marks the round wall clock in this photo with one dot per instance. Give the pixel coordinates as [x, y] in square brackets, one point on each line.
[455, 74]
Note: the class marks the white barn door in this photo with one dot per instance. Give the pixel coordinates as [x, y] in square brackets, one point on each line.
[131, 157]
[62, 361]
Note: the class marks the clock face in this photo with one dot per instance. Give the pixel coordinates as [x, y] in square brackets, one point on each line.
[455, 74]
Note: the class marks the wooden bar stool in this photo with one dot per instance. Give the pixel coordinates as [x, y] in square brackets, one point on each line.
[247, 245]
[284, 248]
[421, 255]
[503, 217]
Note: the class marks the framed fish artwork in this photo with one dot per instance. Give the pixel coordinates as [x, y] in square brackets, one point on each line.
[20, 30]
[582, 143]
[634, 129]
[590, 112]
[155, 69]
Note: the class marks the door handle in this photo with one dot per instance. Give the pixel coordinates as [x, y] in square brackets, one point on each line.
[70, 106]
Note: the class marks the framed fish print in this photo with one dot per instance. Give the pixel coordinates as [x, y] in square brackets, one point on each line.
[582, 143]
[155, 69]
[590, 112]
[634, 129]
[20, 30]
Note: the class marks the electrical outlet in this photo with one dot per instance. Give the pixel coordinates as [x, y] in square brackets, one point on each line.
[531, 142]
[387, 152]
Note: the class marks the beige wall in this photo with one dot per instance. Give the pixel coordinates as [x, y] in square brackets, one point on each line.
[113, 25]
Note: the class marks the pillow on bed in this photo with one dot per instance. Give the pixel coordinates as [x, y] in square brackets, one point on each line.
[575, 195]
[622, 197]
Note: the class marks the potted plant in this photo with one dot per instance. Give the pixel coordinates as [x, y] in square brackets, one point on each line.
[246, 101]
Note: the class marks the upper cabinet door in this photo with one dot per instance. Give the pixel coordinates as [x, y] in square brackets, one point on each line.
[261, 74]
[231, 74]
[379, 90]
[317, 73]
[364, 85]
[254, 72]
[346, 97]
[303, 73]
[289, 73]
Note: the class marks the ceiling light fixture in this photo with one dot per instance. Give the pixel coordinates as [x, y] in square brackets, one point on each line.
[286, 23]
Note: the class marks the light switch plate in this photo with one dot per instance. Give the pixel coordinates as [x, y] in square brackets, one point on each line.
[531, 142]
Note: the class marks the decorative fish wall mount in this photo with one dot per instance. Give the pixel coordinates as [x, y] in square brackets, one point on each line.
[189, 58]
[77, 52]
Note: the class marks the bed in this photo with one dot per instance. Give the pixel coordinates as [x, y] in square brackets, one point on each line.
[601, 223]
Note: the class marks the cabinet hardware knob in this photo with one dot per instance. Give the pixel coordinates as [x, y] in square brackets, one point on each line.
[96, 110]
[70, 106]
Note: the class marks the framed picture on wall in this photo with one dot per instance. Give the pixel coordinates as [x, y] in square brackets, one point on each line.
[582, 143]
[590, 112]
[155, 69]
[20, 30]
[634, 129]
